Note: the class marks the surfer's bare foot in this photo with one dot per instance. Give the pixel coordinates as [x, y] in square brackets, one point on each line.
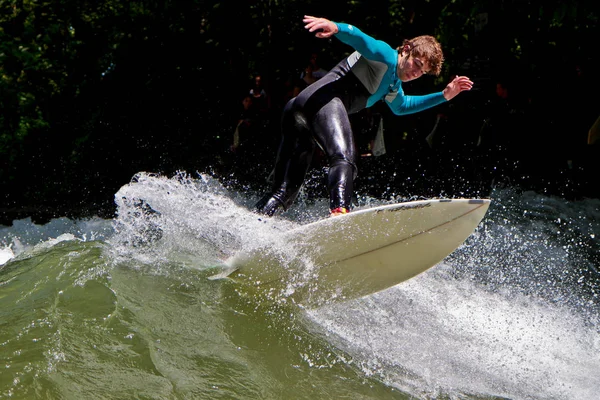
[338, 211]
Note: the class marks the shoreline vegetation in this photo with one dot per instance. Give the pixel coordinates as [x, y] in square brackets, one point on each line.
[93, 93]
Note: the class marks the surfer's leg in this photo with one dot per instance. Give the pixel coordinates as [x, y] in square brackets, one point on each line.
[291, 165]
[333, 132]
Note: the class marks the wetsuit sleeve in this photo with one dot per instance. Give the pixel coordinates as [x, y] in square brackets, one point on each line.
[367, 46]
[402, 105]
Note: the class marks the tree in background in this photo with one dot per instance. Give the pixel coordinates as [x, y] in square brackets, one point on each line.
[93, 92]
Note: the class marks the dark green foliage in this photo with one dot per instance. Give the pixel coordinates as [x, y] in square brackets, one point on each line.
[93, 92]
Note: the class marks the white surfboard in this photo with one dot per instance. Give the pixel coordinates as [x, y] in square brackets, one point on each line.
[360, 253]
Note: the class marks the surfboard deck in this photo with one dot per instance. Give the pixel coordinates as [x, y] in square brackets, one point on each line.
[359, 253]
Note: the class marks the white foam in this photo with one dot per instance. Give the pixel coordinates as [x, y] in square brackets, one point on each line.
[6, 254]
[432, 335]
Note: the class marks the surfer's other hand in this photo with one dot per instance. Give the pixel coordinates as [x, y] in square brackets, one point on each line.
[457, 85]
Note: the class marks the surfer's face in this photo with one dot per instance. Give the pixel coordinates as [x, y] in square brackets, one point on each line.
[411, 67]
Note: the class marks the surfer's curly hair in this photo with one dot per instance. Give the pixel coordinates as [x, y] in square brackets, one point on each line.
[428, 48]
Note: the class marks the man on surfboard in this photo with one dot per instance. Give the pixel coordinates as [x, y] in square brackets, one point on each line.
[319, 114]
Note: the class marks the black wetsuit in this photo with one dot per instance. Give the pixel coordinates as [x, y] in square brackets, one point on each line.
[319, 116]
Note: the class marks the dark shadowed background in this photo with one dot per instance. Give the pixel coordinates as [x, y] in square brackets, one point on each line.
[93, 92]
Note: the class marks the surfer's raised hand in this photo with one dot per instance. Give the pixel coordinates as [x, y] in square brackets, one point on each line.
[326, 27]
[457, 85]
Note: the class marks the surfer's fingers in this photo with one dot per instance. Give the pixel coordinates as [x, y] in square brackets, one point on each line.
[463, 82]
[313, 23]
[325, 27]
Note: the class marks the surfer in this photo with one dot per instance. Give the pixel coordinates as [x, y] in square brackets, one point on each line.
[318, 116]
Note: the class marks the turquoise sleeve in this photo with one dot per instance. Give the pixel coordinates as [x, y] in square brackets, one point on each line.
[367, 46]
[403, 105]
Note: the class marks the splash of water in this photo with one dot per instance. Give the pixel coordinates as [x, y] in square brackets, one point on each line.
[196, 221]
[514, 312]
